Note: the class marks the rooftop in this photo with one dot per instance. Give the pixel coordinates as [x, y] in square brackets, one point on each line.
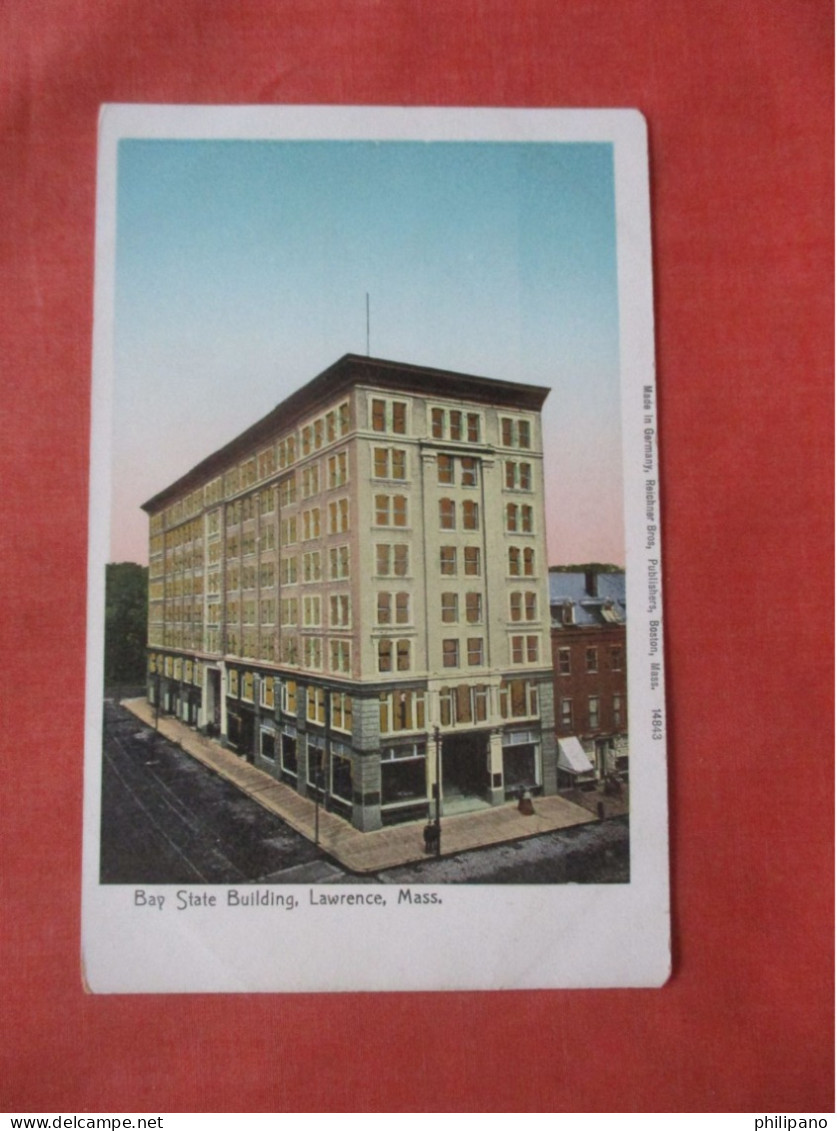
[346, 373]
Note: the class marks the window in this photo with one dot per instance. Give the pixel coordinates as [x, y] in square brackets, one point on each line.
[402, 653]
[401, 710]
[529, 562]
[391, 510]
[447, 514]
[593, 711]
[447, 560]
[511, 474]
[331, 426]
[343, 412]
[341, 711]
[311, 611]
[515, 433]
[564, 662]
[389, 414]
[289, 607]
[525, 648]
[470, 515]
[399, 463]
[511, 517]
[437, 423]
[592, 659]
[469, 472]
[516, 606]
[444, 469]
[288, 531]
[288, 571]
[392, 561]
[311, 481]
[531, 604]
[289, 697]
[616, 658]
[340, 655]
[473, 428]
[526, 521]
[463, 704]
[339, 611]
[450, 653]
[402, 608]
[518, 699]
[455, 424]
[311, 524]
[617, 710]
[390, 463]
[313, 652]
[384, 655]
[473, 608]
[338, 469]
[384, 608]
[472, 561]
[449, 608]
[312, 566]
[287, 491]
[307, 436]
[338, 516]
[475, 651]
[514, 561]
[566, 714]
[315, 705]
[318, 434]
[338, 562]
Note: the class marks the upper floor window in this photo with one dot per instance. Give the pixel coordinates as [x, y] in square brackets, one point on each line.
[454, 424]
[447, 560]
[592, 659]
[389, 416]
[392, 561]
[390, 510]
[471, 556]
[518, 476]
[564, 662]
[390, 463]
[447, 514]
[470, 515]
[338, 469]
[515, 433]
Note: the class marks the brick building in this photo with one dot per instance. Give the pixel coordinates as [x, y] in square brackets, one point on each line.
[353, 593]
[589, 616]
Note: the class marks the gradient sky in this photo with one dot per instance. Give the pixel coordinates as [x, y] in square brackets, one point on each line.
[242, 269]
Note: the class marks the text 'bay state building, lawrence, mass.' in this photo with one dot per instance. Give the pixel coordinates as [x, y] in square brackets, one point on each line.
[354, 592]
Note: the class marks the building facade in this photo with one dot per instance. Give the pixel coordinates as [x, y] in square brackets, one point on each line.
[353, 593]
[589, 619]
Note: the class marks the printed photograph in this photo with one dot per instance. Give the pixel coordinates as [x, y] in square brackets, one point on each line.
[366, 616]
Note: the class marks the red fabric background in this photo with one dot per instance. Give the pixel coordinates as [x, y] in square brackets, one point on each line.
[738, 100]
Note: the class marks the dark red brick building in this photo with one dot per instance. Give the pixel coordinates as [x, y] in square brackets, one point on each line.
[589, 655]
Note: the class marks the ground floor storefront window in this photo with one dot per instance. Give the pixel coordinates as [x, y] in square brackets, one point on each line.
[403, 774]
[520, 762]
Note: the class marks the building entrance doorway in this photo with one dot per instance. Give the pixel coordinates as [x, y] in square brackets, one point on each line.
[464, 761]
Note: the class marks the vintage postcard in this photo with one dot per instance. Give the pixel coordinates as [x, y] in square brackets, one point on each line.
[375, 673]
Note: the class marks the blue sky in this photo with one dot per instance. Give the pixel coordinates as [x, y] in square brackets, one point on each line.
[242, 269]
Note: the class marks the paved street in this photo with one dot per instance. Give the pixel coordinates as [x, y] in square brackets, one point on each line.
[169, 819]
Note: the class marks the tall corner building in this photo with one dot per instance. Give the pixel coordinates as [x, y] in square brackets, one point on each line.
[353, 593]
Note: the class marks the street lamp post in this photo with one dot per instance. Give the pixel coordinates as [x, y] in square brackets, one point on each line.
[438, 838]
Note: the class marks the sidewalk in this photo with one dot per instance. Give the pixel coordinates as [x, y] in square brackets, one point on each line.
[358, 851]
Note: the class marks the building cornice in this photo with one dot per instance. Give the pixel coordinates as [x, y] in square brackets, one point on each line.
[348, 372]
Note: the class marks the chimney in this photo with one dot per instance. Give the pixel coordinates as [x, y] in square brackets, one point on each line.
[591, 583]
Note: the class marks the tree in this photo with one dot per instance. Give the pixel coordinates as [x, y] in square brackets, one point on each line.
[126, 620]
